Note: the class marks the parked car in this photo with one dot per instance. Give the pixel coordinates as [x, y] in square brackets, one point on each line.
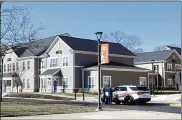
[129, 94]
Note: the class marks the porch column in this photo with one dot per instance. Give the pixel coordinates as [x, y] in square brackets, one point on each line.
[148, 80]
[83, 83]
[11, 85]
[40, 85]
[52, 83]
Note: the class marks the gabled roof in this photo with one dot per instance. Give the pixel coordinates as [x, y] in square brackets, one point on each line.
[175, 48]
[81, 44]
[19, 51]
[155, 55]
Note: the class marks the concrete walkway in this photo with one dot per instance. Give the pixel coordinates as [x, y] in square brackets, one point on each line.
[127, 114]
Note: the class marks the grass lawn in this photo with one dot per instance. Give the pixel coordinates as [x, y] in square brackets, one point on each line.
[10, 109]
[78, 94]
[30, 95]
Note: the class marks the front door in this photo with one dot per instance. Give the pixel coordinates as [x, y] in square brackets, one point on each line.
[107, 81]
[55, 86]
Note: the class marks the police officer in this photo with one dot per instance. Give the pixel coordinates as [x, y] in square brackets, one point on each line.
[110, 91]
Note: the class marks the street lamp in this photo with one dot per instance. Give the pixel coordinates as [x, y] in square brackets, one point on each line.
[99, 35]
[152, 76]
[2, 57]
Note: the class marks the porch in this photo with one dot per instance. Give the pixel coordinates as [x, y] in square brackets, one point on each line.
[51, 81]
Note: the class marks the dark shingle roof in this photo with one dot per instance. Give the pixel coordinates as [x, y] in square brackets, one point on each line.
[50, 71]
[155, 55]
[91, 45]
[175, 48]
[19, 51]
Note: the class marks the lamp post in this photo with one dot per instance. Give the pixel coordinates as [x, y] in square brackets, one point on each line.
[152, 76]
[99, 35]
[2, 57]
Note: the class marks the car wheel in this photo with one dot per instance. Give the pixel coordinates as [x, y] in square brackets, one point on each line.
[128, 100]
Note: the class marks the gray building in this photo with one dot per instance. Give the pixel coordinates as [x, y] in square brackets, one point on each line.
[167, 67]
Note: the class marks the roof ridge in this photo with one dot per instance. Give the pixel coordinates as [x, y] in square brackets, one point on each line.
[154, 51]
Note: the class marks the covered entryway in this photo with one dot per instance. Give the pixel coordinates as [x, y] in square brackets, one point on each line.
[50, 81]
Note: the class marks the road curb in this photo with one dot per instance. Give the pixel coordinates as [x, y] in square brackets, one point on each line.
[175, 105]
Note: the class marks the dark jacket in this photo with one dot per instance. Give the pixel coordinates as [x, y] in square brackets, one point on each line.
[110, 91]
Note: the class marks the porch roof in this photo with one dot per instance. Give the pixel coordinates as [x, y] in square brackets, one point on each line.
[7, 75]
[113, 66]
[51, 71]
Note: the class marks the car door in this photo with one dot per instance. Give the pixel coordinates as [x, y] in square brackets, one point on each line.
[122, 92]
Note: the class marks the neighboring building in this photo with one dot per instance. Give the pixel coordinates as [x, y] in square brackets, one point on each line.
[23, 62]
[67, 63]
[70, 63]
[167, 65]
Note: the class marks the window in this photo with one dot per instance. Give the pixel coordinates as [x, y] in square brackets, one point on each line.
[23, 83]
[107, 81]
[28, 65]
[23, 65]
[44, 85]
[9, 59]
[0, 68]
[120, 89]
[17, 66]
[4, 68]
[143, 81]
[65, 60]
[156, 68]
[9, 67]
[49, 82]
[65, 82]
[53, 62]
[13, 67]
[28, 83]
[169, 67]
[177, 67]
[91, 82]
[43, 64]
[139, 88]
[169, 82]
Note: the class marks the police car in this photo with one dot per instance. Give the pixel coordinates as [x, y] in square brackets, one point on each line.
[129, 94]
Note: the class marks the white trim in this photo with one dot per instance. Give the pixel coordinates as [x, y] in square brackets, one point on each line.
[169, 64]
[67, 61]
[95, 53]
[83, 78]
[25, 58]
[60, 67]
[149, 62]
[93, 84]
[116, 69]
[73, 69]
[68, 82]
[103, 80]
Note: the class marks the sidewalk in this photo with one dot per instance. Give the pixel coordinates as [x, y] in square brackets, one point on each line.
[126, 114]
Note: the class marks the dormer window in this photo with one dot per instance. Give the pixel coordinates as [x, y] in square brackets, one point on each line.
[9, 59]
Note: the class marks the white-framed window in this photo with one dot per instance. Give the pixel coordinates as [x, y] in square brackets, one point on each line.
[169, 82]
[4, 67]
[44, 81]
[13, 67]
[156, 68]
[42, 64]
[17, 66]
[23, 83]
[169, 67]
[107, 81]
[177, 67]
[53, 62]
[143, 81]
[28, 83]
[28, 65]
[65, 60]
[23, 65]
[91, 81]
[65, 82]
[49, 82]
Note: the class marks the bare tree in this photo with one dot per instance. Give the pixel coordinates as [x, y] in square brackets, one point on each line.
[17, 28]
[163, 47]
[132, 42]
[17, 73]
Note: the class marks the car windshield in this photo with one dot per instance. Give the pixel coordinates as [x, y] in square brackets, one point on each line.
[139, 88]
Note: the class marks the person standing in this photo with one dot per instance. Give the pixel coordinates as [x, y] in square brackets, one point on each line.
[110, 91]
[103, 93]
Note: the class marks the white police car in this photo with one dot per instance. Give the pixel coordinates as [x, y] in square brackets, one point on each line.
[129, 94]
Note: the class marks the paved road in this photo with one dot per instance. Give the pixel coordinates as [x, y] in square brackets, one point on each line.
[147, 107]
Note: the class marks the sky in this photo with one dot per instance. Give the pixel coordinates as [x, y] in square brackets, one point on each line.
[156, 23]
